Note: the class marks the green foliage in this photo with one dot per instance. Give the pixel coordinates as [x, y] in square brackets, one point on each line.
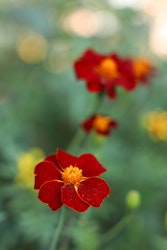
[85, 235]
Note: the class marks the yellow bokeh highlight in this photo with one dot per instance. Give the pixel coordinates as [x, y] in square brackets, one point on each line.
[32, 48]
[25, 164]
[156, 124]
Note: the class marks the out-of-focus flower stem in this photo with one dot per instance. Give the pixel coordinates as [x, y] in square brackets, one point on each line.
[116, 230]
[59, 226]
[80, 136]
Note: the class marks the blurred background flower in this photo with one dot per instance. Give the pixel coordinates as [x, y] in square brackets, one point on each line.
[156, 124]
[26, 163]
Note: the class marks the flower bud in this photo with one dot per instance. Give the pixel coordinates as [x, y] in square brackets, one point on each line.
[133, 199]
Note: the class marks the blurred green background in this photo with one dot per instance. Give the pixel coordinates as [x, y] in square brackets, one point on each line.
[42, 105]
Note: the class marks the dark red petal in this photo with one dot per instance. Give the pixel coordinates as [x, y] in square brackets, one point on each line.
[93, 191]
[114, 124]
[91, 58]
[50, 193]
[71, 199]
[87, 124]
[90, 166]
[64, 159]
[82, 71]
[84, 66]
[111, 90]
[52, 158]
[95, 86]
[104, 133]
[45, 171]
[128, 84]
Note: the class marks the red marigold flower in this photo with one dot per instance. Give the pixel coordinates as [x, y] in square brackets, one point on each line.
[64, 179]
[100, 123]
[105, 72]
[143, 69]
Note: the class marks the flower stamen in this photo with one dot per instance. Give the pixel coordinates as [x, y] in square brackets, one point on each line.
[101, 123]
[72, 175]
[107, 68]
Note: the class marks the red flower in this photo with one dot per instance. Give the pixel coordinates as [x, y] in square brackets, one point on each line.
[64, 179]
[105, 72]
[100, 123]
[143, 69]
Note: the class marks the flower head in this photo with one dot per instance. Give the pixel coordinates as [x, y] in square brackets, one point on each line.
[156, 124]
[143, 69]
[64, 179]
[25, 167]
[105, 72]
[100, 124]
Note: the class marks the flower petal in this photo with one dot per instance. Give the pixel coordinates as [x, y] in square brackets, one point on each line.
[82, 71]
[64, 159]
[93, 191]
[90, 166]
[53, 159]
[50, 193]
[104, 133]
[110, 87]
[88, 124]
[45, 171]
[71, 199]
[113, 124]
[95, 85]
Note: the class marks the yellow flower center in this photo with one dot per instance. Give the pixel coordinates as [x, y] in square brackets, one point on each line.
[72, 175]
[101, 123]
[141, 67]
[107, 68]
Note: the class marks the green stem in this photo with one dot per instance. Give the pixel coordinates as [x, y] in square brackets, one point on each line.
[80, 136]
[58, 230]
[77, 140]
[114, 231]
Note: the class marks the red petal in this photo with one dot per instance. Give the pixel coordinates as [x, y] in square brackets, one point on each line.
[92, 58]
[64, 159]
[104, 133]
[90, 166]
[110, 88]
[93, 191]
[114, 124]
[71, 199]
[50, 193]
[87, 124]
[84, 66]
[95, 86]
[45, 171]
[82, 71]
[52, 158]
